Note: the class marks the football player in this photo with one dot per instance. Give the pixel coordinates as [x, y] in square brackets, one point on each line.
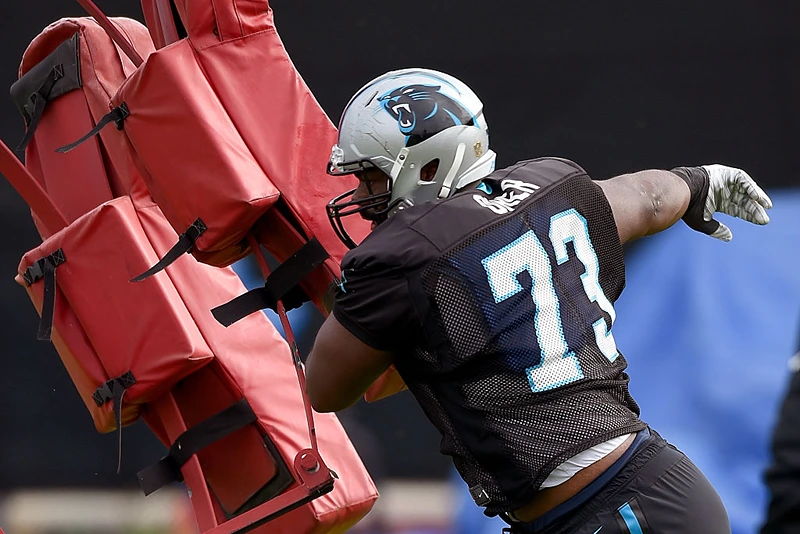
[492, 293]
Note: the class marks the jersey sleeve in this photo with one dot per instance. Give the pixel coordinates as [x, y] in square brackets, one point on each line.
[374, 301]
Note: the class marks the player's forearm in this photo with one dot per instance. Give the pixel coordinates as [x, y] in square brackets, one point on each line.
[646, 202]
[669, 198]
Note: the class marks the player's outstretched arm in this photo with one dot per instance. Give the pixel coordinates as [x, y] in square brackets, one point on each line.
[648, 202]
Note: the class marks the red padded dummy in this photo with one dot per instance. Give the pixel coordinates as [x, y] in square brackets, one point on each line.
[256, 123]
[230, 480]
[236, 47]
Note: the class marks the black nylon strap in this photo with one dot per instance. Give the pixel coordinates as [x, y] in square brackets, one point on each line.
[48, 302]
[119, 392]
[185, 243]
[35, 272]
[114, 390]
[105, 392]
[200, 436]
[281, 284]
[116, 115]
[45, 268]
[38, 101]
[56, 75]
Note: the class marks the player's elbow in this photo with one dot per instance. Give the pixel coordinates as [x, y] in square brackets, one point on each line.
[322, 396]
[321, 406]
[329, 405]
[319, 401]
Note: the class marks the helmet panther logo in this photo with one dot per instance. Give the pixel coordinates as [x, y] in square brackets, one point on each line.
[422, 111]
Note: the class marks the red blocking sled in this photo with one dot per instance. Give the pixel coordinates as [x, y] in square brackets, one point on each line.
[240, 432]
[253, 86]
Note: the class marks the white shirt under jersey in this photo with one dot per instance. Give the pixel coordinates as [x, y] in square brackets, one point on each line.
[583, 459]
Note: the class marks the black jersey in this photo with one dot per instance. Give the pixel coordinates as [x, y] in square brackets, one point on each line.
[498, 303]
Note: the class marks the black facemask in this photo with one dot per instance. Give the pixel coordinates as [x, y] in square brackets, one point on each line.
[374, 208]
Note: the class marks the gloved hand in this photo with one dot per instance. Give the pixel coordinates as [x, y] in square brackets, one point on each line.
[729, 190]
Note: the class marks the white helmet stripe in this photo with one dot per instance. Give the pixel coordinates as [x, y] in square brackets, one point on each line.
[451, 174]
[478, 170]
[399, 162]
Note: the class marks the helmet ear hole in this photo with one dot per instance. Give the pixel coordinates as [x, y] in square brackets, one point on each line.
[428, 171]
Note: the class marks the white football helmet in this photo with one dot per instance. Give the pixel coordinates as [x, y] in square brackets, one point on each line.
[398, 123]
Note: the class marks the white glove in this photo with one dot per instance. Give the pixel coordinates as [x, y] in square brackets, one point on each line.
[733, 192]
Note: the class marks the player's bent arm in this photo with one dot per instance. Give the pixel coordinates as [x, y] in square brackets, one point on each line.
[341, 367]
[645, 202]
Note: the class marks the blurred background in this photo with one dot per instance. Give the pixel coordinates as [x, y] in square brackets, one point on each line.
[707, 327]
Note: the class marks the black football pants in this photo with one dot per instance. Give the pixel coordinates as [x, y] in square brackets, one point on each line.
[659, 491]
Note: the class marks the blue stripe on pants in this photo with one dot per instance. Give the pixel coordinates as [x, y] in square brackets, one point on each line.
[630, 519]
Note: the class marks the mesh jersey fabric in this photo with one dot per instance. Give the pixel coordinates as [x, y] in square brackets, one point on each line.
[498, 305]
